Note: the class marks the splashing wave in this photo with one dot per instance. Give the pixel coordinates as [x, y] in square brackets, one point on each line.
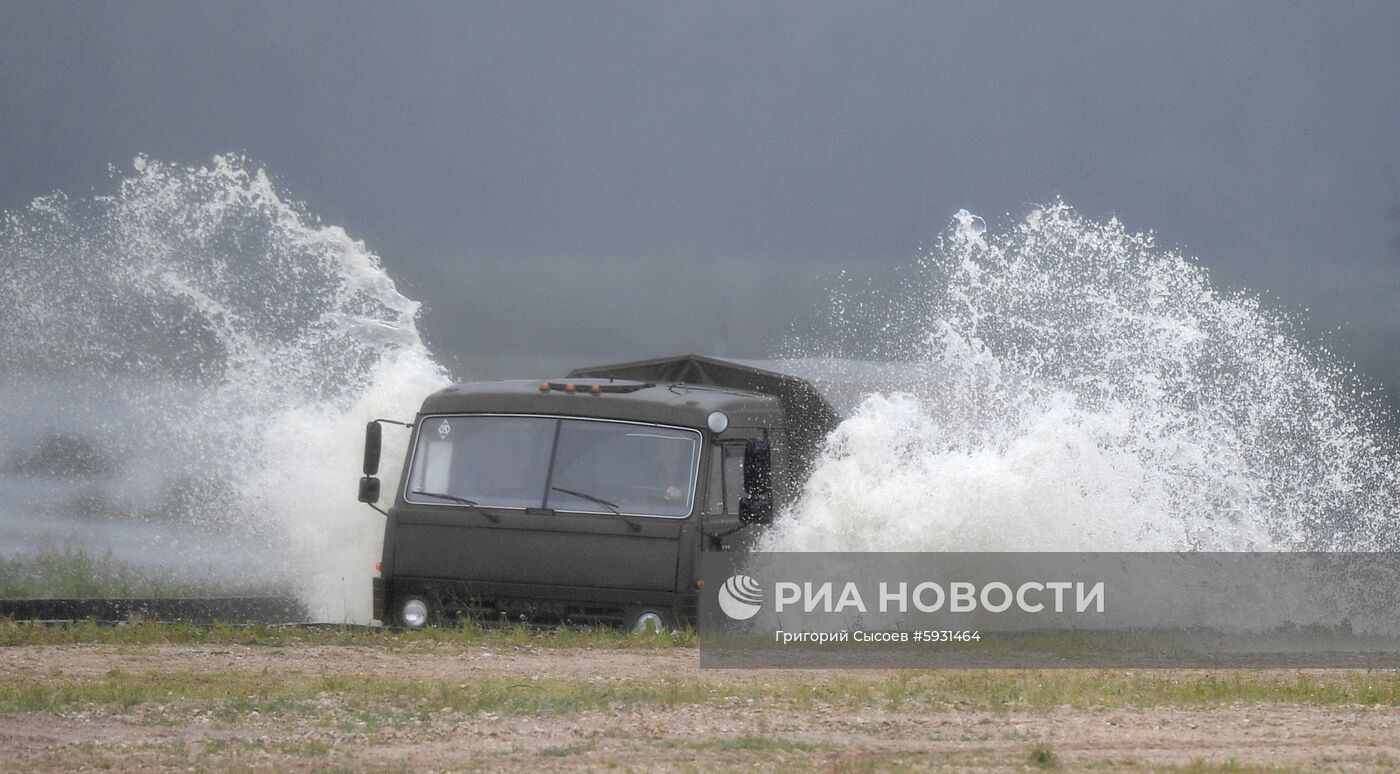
[1084, 389]
[247, 344]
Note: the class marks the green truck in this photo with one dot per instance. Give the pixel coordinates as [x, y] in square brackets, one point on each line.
[588, 498]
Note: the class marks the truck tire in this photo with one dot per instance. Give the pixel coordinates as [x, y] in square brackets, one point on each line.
[651, 619]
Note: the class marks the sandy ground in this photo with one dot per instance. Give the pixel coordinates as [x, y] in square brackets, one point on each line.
[186, 736]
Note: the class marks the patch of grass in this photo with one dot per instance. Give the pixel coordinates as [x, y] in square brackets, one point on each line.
[468, 634]
[746, 743]
[1232, 766]
[885, 763]
[564, 751]
[377, 700]
[1044, 689]
[73, 572]
[234, 696]
[1043, 757]
[314, 748]
[88, 755]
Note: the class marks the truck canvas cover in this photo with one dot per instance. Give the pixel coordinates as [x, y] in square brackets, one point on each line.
[816, 393]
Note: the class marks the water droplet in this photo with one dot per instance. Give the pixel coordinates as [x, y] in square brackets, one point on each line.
[970, 227]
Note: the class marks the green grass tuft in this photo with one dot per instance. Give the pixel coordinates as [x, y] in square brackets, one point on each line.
[467, 634]
[1043, 757]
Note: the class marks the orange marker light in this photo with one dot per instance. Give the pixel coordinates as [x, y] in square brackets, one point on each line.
[379, 567]
[699, 583]
[597, 389]
[544, 386]
[569, 388]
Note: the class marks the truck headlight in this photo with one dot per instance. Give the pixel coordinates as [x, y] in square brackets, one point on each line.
[414, 613]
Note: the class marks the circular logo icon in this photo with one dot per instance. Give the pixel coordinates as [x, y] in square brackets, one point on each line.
[740, 597]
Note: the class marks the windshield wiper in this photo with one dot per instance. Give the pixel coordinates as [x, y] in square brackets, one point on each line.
[612, 507]
[444, 496]
[464, 501]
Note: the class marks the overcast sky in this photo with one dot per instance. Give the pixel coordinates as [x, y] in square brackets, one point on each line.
[566, 183]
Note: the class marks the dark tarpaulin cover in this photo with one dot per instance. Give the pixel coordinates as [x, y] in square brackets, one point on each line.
[808, 416]
[815, 392]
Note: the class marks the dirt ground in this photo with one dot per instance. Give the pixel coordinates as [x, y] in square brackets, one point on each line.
[181, 734]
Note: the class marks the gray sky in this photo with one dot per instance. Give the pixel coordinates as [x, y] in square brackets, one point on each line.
[566, 183]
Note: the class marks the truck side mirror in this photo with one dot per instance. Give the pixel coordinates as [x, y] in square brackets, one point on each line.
[374, 439]
[757, 506]
[753, 511]
[369, 490]
[758, 472]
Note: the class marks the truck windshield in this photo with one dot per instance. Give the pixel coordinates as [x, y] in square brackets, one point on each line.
[505, 462]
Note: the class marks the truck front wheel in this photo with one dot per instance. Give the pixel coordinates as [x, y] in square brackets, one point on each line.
[414, 612]
[654, 621]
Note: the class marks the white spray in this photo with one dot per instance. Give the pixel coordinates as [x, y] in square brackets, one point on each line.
[250, 343]
[1084, 389]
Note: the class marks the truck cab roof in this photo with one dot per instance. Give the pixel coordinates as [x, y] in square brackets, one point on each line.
[665, 403]
[683, 390]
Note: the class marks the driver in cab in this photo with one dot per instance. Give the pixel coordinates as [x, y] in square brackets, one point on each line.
[674, 469]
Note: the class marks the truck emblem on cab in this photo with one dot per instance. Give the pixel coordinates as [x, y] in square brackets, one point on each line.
[740, 597]
[444, 429]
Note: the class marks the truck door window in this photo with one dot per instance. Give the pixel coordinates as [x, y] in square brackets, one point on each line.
[639, 469]
[714, 491]
[733, 477]
[493, 461]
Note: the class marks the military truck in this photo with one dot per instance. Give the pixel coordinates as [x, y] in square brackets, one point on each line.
[588, 498]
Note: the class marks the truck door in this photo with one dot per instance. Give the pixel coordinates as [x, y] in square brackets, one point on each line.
[724, 490]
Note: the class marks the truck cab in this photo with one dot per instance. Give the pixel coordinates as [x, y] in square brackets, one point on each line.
[587, 498]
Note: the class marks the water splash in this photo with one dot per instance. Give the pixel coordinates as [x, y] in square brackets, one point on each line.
[1083, 389]
[246, 344]
[969, 228]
